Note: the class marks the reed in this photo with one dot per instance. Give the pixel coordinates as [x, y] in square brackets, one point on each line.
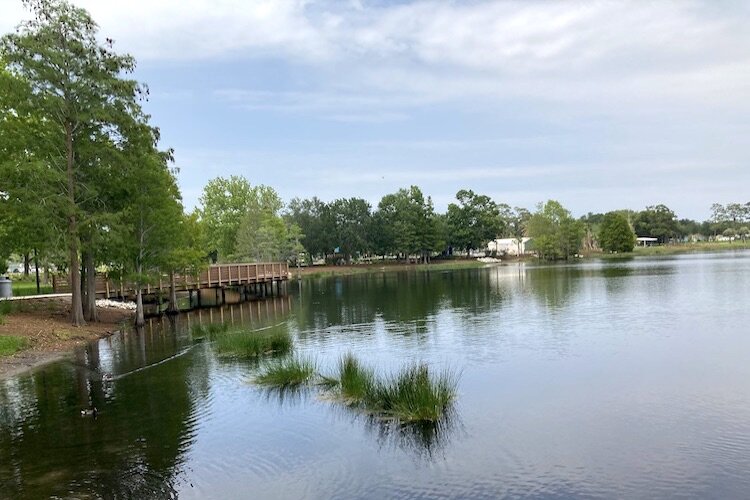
[354, 380]
[242, 344]
[414, 394]
[286, 373]
[210, 330]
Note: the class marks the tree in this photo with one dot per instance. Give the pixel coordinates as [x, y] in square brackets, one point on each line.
[407, 224]
[223, 205]
[656, 221]
[556, 234]
[314, 219]
[351, 225]
[264, 236]
[474, 221]
[149, 229]
[615, 233]
[75, 86]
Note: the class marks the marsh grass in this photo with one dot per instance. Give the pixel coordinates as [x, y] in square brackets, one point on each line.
[10, 345]
[414, 394]
[286, 373]
[354, 380]
[243, 344]
[210, 330]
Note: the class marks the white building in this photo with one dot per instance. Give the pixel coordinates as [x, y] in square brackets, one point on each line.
[509, 246]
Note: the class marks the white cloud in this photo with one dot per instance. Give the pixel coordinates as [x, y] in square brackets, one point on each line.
[432, 50]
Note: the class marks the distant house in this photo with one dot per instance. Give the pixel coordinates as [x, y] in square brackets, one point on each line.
[510, 246]
[646, 241]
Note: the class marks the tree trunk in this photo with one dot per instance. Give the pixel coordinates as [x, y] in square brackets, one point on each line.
[172, 309]
[139, 319]
[76, 306]
[26, 264]
[36, 268]
[90, 312]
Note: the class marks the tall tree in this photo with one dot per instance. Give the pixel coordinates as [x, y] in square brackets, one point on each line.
[615, 233]
[474, 221]
[76, 85]
[407, 223]
[351, 219]
[556, 234]
[316, 223]
[656, 221]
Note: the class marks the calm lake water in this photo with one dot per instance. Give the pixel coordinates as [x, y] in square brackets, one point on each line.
[625, 379]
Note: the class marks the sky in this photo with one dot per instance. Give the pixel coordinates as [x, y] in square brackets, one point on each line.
[599, 104]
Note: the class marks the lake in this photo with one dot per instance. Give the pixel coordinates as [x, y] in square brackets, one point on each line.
[599, 379]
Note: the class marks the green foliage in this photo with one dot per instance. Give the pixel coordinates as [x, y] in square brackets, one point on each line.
[289, 372]
[556, 235]
[242, 344]
[267, 237]
[351, 219]
[10, 344]
[474, 221]
[657, 222]
[316, 224]
[615, 233]
[407, 223]
[243, 221]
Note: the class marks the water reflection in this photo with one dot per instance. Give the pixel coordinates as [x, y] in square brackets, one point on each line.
[150, 390]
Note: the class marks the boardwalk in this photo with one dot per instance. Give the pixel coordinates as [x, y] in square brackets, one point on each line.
[215, 276]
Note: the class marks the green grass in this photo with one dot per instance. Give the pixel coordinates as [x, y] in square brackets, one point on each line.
[414, 394]
[243, 344]
[24, 288]
[287, 373]
[10, 345]
[354, 380]
[443, 265]
[210, 330]
[707, 246]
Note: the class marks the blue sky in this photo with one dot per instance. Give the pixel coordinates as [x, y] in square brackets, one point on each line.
[601, 105]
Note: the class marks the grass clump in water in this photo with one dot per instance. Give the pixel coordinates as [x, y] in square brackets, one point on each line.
[10, 344]
[413, 395]
[254, 344]
[354, 380]
[290, 372]
[210, 330]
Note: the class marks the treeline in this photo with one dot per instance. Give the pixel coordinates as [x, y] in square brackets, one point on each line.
[84, 181]
[246, 222]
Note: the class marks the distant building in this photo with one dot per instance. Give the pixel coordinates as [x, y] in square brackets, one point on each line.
[510, 246]
[646, 241]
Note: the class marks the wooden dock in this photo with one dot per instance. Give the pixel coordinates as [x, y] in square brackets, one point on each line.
[257, 276]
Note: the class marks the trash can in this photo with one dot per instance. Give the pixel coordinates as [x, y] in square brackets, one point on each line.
[6, 287]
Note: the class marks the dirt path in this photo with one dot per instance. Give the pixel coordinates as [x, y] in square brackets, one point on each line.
[45, 325]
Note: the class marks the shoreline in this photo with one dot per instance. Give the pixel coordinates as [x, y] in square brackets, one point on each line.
[44, 325]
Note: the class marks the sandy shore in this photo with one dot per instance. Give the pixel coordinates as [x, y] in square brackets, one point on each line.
[46, 326]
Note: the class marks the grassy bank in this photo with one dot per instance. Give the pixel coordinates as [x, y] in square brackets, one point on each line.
[676, 249]
[10, 344]
[442, 265]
